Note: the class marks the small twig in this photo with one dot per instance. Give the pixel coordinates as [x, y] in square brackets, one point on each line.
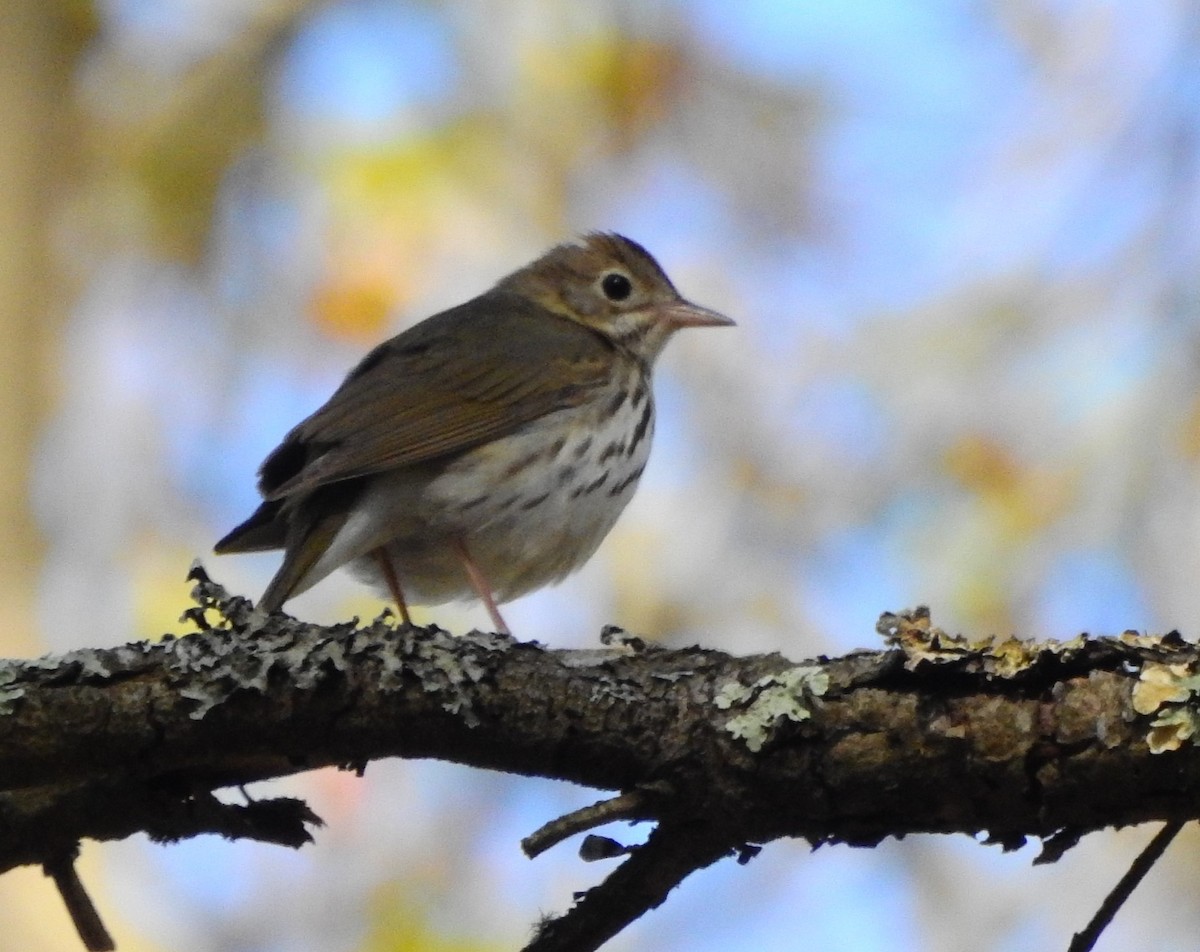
[1084, 941]
[79, 904]
[638, 885]
[1057, 844]
[628, 806]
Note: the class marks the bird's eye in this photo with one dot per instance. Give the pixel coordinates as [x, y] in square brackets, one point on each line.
[616, 286]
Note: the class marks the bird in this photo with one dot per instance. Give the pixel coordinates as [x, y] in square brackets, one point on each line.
[485, 451]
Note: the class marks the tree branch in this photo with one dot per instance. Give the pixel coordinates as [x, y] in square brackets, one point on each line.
[934, 734]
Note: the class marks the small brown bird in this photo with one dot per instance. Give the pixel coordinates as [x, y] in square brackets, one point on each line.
[488, 449]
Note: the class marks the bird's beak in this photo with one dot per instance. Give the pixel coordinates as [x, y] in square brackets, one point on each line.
[686, 314]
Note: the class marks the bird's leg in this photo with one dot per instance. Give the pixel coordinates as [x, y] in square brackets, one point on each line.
[393, 583]
[482, 587]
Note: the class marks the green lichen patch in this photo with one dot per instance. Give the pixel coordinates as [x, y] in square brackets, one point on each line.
[770, 700]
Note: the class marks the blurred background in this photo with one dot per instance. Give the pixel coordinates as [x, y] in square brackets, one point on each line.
[961, 243]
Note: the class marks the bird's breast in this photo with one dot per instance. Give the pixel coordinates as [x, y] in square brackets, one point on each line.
[534, 506]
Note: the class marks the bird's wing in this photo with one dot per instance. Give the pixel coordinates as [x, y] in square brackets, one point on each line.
[461, 378]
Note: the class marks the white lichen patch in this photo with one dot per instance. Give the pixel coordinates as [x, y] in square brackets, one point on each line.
[770, 700]
[11, 689]
[450, 672]
[240, 648]
[1170, 691]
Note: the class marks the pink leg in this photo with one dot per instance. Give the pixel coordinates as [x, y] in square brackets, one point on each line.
[482, 588]
[393, 583]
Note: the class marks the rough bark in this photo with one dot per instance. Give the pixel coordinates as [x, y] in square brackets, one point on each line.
[932, 734]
